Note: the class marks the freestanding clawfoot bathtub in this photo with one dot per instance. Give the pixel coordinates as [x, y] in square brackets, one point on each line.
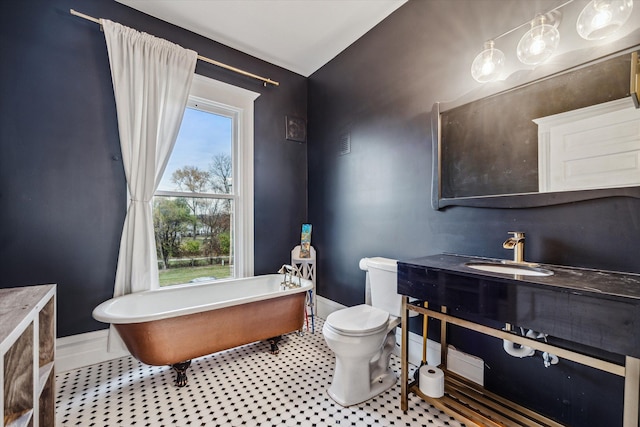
[171, 326]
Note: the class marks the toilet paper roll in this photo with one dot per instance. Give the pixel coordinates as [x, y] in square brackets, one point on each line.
[431, 381]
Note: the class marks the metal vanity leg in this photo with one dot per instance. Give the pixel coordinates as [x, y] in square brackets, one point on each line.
[631, 391]
[443, 339]
[404, 358]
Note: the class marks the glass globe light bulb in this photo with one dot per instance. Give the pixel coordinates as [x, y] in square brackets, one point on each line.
[537, 46]
[487, 67]
[489, 63]
[539, 43]
[602, 18]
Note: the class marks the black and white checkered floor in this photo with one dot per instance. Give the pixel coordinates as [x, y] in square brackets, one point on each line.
[245, 386]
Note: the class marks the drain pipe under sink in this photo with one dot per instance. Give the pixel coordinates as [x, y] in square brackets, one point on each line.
[521, 351]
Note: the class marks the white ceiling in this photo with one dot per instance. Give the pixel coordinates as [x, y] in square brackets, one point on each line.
[299, 35]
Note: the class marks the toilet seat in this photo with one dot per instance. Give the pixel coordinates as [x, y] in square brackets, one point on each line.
[359, 320]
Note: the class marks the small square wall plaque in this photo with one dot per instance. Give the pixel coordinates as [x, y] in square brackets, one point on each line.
[296, 129]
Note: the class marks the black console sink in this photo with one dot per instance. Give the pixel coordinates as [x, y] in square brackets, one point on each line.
[596, 308]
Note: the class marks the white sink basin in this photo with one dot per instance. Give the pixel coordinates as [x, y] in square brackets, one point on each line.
[521, 270]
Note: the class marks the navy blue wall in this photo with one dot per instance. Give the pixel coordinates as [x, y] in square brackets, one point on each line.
[62, 185]
[62, 189]
[375, 201]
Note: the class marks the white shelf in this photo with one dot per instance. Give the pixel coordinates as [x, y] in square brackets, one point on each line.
[306, 268]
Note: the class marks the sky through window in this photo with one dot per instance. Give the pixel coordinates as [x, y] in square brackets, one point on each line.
[202, 136]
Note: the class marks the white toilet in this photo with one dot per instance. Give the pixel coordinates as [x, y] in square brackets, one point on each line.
[363, 337]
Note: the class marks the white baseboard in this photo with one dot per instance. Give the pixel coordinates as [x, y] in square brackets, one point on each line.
[325, 306]
[86, 349]
[466, 365]
[415, 349]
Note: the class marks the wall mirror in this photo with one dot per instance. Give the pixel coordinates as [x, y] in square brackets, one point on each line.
[567, 137]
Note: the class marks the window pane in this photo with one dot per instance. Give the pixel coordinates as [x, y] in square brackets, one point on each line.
[201, 159]
[193, 239]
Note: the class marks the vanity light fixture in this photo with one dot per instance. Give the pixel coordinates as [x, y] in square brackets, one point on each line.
[489, 63]
[598, 19]
[539, 43]
[602, 18]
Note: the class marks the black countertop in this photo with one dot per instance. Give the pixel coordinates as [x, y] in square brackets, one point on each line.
[573, 279]
[599, 309]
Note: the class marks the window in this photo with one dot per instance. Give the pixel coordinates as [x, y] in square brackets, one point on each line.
[203, 207]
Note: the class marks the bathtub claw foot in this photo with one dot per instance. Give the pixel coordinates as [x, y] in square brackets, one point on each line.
[274, 344]
[181, 372]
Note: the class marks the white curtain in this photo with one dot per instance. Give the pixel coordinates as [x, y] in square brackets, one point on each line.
[151, 82]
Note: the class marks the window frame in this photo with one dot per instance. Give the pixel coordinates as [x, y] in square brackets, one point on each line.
[220, 98]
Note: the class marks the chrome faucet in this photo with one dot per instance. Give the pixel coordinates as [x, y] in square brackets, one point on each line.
[516, 243]
[288, 271]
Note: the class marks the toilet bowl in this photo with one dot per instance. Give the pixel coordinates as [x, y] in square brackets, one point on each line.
[363, 337]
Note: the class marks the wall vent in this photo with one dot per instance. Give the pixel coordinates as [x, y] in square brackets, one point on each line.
[344, 144]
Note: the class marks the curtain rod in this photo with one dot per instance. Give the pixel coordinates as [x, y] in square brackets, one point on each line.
[202, 58]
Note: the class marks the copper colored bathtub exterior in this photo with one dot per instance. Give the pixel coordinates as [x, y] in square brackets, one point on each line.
[173, 340]
[180, 323]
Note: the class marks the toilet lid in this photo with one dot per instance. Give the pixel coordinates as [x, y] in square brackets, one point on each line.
[359, 319]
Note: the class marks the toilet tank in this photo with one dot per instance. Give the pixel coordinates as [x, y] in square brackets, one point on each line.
[384, 284]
